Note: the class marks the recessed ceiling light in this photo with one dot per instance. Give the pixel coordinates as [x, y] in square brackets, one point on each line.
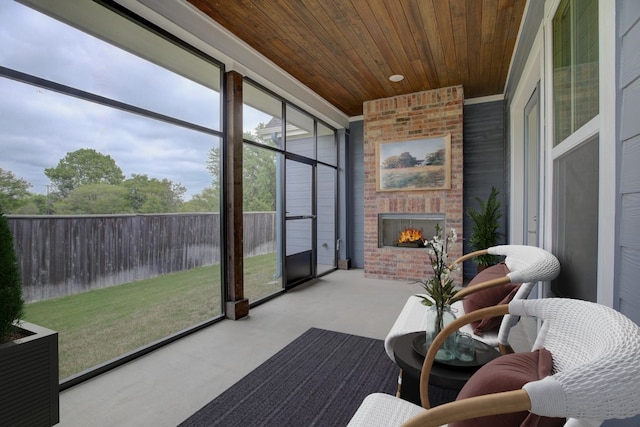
[396, 78]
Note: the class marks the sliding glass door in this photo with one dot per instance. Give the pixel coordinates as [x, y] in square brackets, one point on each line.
[302, 191]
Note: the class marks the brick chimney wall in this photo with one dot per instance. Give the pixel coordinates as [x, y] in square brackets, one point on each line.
[428, 114]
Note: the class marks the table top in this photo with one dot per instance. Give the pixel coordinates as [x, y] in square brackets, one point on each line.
[442, 375]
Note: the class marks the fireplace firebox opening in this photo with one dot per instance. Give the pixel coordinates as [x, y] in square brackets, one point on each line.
[392, 227]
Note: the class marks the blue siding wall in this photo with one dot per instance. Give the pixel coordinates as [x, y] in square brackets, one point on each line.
[628, 264]
[356, 152]
[484, 164]
[629, 126]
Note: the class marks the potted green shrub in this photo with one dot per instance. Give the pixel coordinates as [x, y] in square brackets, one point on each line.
[29, 390]
[485, 228]
[11, 302]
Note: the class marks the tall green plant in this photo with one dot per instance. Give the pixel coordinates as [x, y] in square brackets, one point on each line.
[486, 223]
[11, 302]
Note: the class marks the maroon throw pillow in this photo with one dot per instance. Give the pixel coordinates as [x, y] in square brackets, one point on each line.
[506, 373]
[502, 294]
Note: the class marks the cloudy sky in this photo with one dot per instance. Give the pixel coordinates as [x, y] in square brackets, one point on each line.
[39, 127]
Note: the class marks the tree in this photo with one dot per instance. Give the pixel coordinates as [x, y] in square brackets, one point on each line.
[407, 160]
[13, 191]
[258, 176]
[436, 158]
[95, 199]
[214, 166]
[84, 166]
[151, 195]
[35, 204]
[404, 160]
[206, 201]
[258, 179]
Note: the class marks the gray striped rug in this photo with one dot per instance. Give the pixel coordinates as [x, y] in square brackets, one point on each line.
[319, 379]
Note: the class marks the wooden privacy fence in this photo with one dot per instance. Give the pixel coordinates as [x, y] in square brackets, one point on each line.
[64, 255]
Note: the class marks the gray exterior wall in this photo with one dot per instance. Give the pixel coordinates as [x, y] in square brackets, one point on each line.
[345, 195]
[628, 265]
[484, 164]
[356, 175]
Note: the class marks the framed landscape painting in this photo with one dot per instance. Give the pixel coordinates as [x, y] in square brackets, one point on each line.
[416, 164]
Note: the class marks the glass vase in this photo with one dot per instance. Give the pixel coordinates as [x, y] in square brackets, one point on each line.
[437, 318]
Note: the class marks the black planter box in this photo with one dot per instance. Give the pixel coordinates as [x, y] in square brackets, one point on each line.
[29, 385]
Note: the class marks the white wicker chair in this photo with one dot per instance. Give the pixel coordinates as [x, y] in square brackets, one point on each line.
[596, 371]
[527, 265]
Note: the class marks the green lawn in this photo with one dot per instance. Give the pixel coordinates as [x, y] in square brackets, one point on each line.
[99, 325]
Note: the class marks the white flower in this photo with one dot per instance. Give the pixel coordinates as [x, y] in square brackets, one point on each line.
[440, 287]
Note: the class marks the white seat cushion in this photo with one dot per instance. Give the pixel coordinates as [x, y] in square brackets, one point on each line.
[379, 409]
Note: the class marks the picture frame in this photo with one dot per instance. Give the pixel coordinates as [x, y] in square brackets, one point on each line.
[414, 165]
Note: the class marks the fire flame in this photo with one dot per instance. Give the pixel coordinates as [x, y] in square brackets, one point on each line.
[410, 235]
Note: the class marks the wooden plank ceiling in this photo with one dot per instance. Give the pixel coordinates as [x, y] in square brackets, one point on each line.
[345, 50]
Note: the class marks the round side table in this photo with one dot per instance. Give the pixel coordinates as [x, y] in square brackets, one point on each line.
[445, 381]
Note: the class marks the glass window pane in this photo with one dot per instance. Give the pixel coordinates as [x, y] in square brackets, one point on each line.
[261, 117]
[326, 208]
[112, 272]
[299, 261]
[58, 52]
[300, 230]
[45, 126]
[262, 219]
[575, 221]
[300, 133]
[575, 66]
[299, 191]
[327, 145]
[119, 214]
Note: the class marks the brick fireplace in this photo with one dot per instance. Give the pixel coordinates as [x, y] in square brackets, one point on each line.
[429, 114]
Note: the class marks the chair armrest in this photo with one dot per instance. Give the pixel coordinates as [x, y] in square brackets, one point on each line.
[469, 256]
[494, 311]
[479, 406]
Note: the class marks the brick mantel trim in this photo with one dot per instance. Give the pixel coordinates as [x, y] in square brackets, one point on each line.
[428, 114]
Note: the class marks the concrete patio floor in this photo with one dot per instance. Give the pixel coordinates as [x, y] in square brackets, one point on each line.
[166, 386]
